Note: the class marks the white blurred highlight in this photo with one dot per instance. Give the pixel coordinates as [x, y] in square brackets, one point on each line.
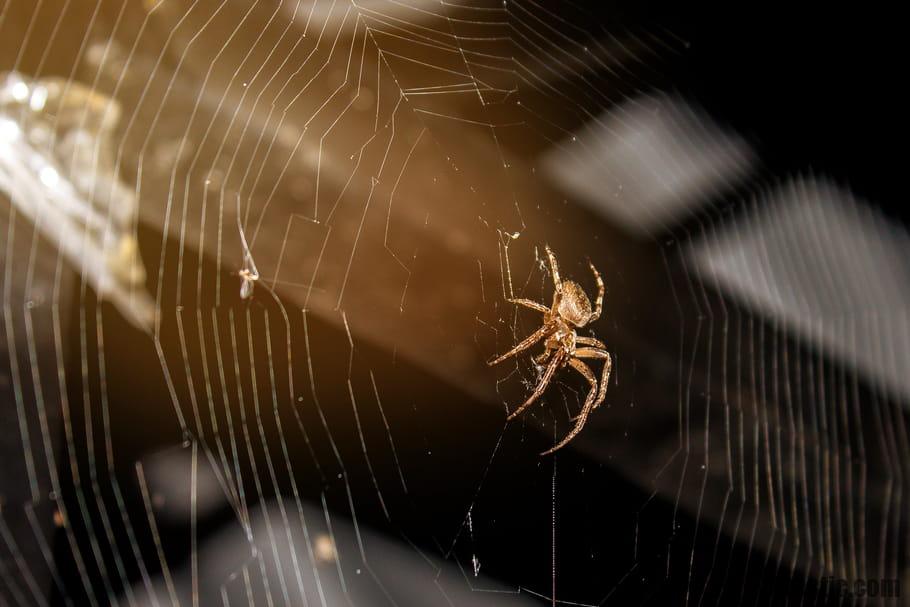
[55, 171]
[649, 162]
[829, 267]
[170, 476]
[314, 556]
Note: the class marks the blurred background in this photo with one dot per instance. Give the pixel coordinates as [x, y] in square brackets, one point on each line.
[256, 256]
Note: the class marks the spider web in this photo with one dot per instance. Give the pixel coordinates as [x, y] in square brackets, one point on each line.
[257, 256]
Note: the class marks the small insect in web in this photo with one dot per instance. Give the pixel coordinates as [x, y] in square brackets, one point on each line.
[571, 310]
[249, 274]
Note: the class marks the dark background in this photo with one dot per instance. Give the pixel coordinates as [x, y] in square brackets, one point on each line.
[816, 90]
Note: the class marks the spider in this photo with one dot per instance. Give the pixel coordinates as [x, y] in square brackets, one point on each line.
[571, 310]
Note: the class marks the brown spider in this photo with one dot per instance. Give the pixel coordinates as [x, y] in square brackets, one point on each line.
[571, 310]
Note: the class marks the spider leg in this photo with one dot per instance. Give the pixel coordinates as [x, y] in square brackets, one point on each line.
[582, 418]
[530, 304]
[524, 345]
[589, 341]
[554, 269]
[589, 375]
[541, 386]
[590, 405]
[542, 357]
[557, 298]
[605, 374]
[599, 301]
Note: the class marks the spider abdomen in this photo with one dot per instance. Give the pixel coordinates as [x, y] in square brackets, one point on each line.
[574, 305]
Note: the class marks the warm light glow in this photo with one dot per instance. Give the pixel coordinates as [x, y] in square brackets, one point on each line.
[49, 177]
[39, 99]
[324, 549]
[20, 91]
[9, 130]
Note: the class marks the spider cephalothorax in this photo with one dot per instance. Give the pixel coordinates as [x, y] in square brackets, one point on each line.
[571, 309]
